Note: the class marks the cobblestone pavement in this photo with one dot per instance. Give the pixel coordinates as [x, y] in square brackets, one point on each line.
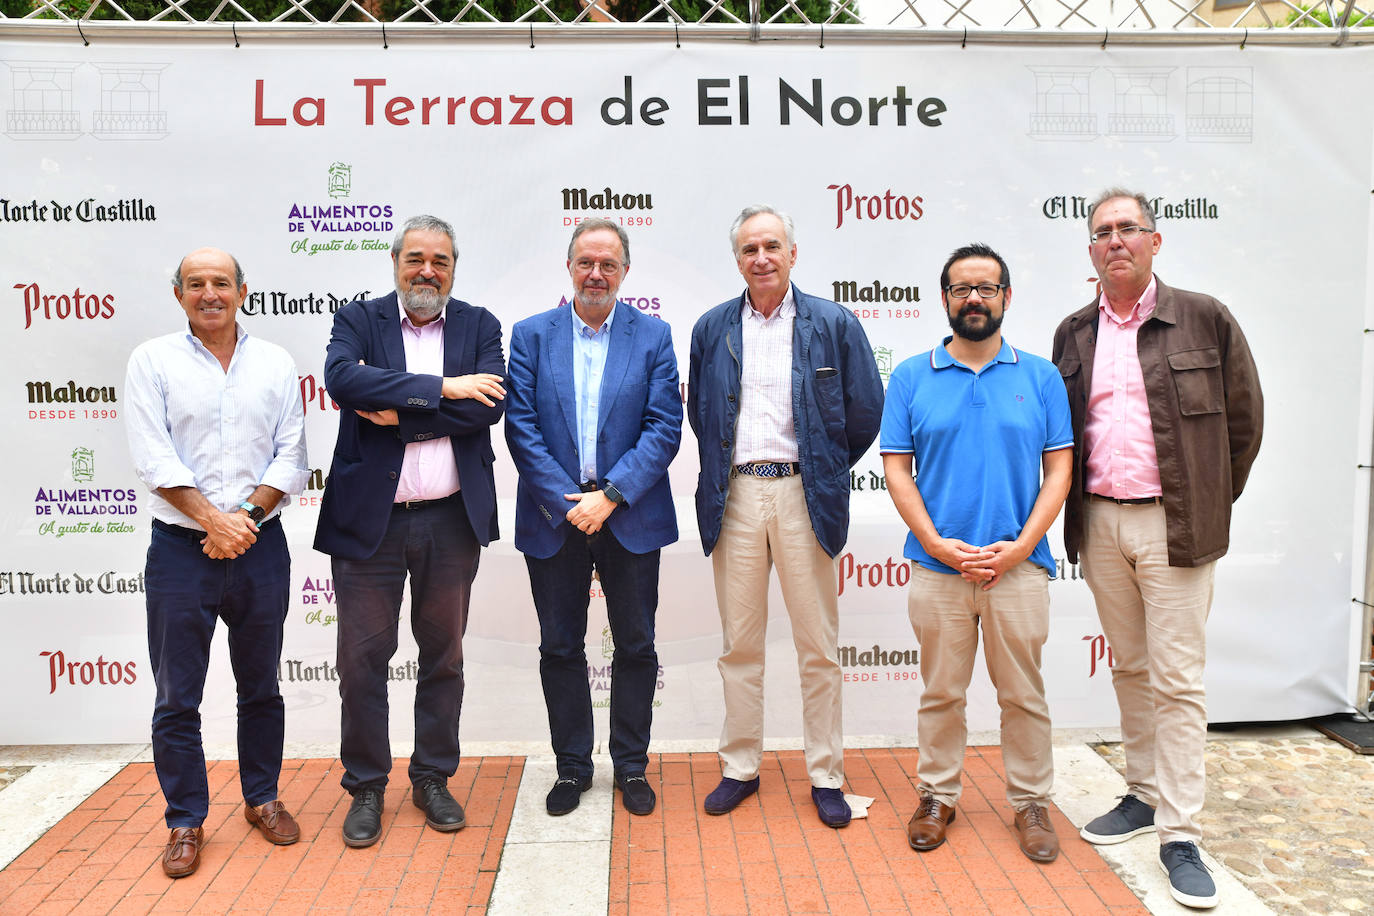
[1293, 818]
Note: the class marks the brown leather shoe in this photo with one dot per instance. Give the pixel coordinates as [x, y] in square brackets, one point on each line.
[182, 855]
[1036, 834]
[926, 830]
[275, 822]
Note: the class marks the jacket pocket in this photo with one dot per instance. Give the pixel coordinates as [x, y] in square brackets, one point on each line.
[1197, 379]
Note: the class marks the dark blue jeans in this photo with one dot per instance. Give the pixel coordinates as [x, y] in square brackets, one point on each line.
[435, 546]
[186, 593]
[560, 585]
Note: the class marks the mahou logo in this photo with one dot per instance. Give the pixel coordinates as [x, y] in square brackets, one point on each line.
[66, 672]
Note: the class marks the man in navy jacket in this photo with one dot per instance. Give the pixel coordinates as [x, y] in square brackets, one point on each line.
[417, 377]
[594, 419]
[784, 397]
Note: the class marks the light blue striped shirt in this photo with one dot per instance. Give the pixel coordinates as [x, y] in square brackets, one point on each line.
[589, 364]
[192, 424]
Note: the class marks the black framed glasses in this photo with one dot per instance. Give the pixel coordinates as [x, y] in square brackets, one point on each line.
[984, 290]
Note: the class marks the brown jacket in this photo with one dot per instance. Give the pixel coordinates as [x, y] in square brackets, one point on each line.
[1205, 406]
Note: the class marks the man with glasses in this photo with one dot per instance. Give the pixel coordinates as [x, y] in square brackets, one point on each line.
[593, 420]
[979, 422]
[784, 396]
[1167, 418]
[410, 495]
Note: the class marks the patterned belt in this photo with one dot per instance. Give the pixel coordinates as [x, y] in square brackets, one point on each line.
[768, 469]
[1137, 501]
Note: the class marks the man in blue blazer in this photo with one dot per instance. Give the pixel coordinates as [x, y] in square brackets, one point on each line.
[417, 377]
[593, 420]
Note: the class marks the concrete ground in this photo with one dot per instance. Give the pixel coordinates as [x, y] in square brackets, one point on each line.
[1288, 828]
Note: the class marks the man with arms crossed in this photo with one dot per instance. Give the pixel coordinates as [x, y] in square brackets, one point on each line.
[217, 433]
[784, 397]
[979, 420]
[593, 420]
[417, 377]
[1167, 418]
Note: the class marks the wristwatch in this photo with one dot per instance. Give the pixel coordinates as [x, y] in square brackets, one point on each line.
[255, 512]
[612, 493]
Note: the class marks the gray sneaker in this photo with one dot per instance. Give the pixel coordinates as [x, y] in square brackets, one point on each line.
[1189, 881]
[1131, 817]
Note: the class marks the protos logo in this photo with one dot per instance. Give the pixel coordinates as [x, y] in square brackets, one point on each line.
[1098, 651]
[881, 205]
[38, 304]
[86, 674]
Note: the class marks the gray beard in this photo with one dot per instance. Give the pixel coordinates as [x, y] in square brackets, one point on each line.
[423, 302]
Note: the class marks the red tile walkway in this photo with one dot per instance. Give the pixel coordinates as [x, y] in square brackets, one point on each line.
[104, 857]
[770, 855]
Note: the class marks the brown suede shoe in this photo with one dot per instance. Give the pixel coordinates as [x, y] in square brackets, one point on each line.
[1036, 834]
[275, 822]
[926, 829]
[182, 855]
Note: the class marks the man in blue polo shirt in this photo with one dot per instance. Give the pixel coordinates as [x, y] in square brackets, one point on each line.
[978, 421]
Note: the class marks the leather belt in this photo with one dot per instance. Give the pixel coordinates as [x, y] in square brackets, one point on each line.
[1136, 501]
[410, 505]
[195, 534]
[589, 486]
[768, 469]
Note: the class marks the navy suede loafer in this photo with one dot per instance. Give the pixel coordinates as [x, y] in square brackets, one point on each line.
[725, 797]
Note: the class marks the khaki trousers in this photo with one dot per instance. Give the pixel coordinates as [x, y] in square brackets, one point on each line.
[1155, 618]
[765, 524]
[946, 613]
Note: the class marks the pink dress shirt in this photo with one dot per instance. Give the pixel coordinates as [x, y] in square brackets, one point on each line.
[1117, 433]
[428, 470]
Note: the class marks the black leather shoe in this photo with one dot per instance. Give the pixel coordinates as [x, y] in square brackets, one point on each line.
[636, 794]
[363, 823]
[566, 795]
[442, 811]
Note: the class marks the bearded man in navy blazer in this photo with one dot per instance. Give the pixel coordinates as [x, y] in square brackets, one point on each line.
[593, 420]
[417, 377]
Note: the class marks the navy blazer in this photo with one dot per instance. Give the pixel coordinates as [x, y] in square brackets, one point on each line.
[639, 429]
[364, 369]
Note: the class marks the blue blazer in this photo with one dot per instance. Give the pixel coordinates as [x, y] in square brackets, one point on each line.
[639, 429]
[364, 369]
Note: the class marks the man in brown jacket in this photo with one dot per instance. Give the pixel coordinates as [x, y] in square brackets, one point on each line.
[1167, 417]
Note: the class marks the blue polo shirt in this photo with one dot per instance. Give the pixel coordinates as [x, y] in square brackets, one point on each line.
[976, 439]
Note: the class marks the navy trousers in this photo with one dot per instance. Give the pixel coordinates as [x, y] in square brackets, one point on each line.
[560, 585]
[186, 593]
[434, 546]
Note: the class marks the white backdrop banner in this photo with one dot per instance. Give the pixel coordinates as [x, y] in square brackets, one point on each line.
[302, 158]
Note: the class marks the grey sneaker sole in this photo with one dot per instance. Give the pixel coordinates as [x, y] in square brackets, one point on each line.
[1197, 903]
[1108, 839]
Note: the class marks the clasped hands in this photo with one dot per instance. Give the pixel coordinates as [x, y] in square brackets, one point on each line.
[228, 535]
[985, 565]
[590, 512]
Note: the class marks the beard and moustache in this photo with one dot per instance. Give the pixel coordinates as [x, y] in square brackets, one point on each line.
[423, 300]
[975, 332]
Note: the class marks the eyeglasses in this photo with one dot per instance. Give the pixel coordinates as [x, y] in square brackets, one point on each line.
[1125, 233]
[985, 290]
[608, 268]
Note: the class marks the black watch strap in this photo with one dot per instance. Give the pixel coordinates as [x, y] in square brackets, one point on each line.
[612, 493]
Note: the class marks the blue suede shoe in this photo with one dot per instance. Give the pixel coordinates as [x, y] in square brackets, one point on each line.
[1131, 817]
[831, 806]
[1189, 880]
[726, 796]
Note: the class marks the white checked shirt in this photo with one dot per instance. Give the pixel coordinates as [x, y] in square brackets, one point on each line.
[766, 429]
[191, 423]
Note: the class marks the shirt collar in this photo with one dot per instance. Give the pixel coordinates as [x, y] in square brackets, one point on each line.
[786, 309]
[940, 357]
[581, 327]
[193, 340]
[1143, 308]
[407, 324]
